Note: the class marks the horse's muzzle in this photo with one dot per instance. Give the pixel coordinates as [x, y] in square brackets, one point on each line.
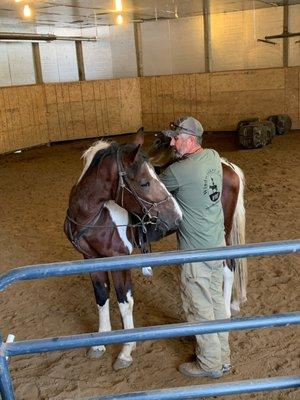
[167, 226]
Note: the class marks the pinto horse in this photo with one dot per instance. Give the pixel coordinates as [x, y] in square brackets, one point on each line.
[235, 271]
[117, 193]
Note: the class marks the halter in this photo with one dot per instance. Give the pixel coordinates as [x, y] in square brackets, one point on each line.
[143, 221]
[125, 184]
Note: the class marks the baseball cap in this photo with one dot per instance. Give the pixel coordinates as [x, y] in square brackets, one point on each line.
[188, 125]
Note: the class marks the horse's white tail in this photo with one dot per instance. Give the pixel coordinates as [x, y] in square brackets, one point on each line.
[237, 235]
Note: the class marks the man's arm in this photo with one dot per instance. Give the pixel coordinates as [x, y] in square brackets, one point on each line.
[169, 180]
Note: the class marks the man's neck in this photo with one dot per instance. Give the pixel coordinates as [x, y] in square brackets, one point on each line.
[194, 150]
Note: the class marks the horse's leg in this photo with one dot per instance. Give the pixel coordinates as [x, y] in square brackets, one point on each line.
[123, 287]
[101, 286]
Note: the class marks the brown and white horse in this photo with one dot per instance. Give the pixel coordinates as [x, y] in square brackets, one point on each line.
[117, 186]
[235, 271]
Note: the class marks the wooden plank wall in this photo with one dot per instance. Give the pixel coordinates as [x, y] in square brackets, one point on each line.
[219, 100]
[38, 114]
[23, 117]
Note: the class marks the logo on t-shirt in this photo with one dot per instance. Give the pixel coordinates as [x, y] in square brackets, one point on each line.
[211, 187]
[214, 193]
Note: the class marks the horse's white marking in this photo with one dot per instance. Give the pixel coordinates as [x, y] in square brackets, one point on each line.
[126, 310]
[147, 271]
[177, 208]
[104, 319]
[89, 154]
[120, 217]
[104, 323]
[227, 290]
[176, 205]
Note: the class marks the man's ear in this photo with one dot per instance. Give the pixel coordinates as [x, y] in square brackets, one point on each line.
[139, 137]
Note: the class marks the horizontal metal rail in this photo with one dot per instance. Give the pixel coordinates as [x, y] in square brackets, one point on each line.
[156, 332]
[147, 333]
[211, 390]
[8, 36]
[146, 260]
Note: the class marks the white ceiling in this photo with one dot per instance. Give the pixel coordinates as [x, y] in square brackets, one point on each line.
[90, 13]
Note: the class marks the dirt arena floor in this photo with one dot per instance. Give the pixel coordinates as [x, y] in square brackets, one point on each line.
[34, 190]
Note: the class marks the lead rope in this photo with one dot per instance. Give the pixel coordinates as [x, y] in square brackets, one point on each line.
[143, 245]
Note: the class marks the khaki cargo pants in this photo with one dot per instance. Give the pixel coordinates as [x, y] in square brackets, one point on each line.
[202, 298]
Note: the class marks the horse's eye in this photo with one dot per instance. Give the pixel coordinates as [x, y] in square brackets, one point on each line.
[157, 143]
[145, 184]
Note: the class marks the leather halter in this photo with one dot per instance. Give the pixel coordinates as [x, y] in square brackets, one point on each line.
[145, 205]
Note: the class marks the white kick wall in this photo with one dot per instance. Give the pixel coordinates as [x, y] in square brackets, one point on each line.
[16, 64]
[167, 47]
[234, 39]
[16, 60]
[97, 55]
[173, 46]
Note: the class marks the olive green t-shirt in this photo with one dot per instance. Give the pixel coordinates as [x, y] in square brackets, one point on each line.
[196, 183]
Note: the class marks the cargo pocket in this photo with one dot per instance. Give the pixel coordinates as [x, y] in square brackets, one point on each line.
[197, 270]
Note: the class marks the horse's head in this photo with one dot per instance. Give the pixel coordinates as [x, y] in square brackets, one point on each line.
[142, 193]
[160, 152]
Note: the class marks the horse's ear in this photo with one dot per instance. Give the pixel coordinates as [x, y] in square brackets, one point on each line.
[139, 137]
[129, 158]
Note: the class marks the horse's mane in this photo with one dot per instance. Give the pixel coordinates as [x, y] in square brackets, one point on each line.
[99, 150]
[94, 154]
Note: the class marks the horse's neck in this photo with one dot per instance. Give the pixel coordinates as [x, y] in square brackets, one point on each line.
[100, 185]
[93, 191]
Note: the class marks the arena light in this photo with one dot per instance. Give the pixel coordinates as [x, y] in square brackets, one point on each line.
[119, 19]
[119, 5]
[27, 11]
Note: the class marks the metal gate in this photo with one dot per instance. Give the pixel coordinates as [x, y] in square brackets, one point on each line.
[156, 332]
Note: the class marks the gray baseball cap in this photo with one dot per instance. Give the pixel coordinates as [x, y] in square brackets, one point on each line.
[188, 125]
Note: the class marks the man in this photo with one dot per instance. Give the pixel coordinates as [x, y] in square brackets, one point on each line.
[195, 180]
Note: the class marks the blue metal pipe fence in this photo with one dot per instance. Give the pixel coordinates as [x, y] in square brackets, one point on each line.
[148, 333]
[211, 390]
[157, 332]
[40, 271]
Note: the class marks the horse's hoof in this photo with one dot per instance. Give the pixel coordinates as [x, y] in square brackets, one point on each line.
[120, 364]
[95, 352]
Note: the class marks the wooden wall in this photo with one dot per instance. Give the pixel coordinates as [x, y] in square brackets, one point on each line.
[219, 100]
[38, 114]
